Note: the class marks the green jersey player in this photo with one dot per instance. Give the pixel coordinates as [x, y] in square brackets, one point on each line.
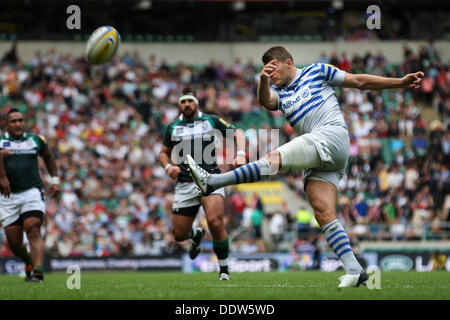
[22, 206]
[195, 132]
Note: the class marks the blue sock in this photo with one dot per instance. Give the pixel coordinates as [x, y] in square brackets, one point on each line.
[338, 240]
[251, 172]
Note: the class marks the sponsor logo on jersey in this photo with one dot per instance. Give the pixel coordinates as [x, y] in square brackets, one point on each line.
[6, 144]
[25, 151]
[291, 103]
[305, 93]
[179, 130]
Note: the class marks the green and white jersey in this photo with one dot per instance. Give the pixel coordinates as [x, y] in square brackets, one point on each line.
[195, 136]
[21, 166]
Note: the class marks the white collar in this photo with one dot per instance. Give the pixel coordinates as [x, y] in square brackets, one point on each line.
[199, 114]
[9, 137]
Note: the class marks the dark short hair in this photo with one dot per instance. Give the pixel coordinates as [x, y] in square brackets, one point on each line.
[188, 90]
[279, 53]
[13, 110]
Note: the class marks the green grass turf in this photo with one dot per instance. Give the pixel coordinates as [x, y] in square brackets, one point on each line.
[243, 286]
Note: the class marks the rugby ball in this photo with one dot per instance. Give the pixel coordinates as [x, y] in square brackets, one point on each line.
[102, 45]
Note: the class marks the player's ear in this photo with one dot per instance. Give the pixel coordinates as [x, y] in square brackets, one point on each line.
[289, 62]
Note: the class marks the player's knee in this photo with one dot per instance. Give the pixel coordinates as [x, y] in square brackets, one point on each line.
[324, 214]
[216, 225]
[179, 235]
[323, 211]
[33, 232]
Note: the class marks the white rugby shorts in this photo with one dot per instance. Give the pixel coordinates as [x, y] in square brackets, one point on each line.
[18, 203]
[333, 147]
[186, 195]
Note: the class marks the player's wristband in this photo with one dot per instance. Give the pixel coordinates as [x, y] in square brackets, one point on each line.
[55, 180]
[240, 153]
[167, 166]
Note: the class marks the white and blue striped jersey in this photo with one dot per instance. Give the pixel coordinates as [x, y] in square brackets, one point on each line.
[310, 101]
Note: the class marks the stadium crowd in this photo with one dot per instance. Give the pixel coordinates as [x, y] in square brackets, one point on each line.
[105, 126]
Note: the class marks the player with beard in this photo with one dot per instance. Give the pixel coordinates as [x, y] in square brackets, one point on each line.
[195, 132]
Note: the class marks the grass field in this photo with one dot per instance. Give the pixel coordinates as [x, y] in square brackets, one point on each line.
[243, 286]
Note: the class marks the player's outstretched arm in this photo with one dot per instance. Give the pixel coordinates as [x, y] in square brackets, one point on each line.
[5, 188]
[371, 82]
[266, 97]
[165, 161]
[50, 163]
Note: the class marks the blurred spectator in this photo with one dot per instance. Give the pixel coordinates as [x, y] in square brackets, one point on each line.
[323, 58]
[257, 216]
[304, 218]
[438, 260]
[277, 226]
[427, 88]
[344, 63]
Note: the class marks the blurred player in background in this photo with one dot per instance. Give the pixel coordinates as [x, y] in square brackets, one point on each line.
[308, 100]
[192, 130]
[22, 205]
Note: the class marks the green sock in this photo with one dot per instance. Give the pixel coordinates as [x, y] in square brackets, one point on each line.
[39, 268]
[221, 250]
[28, 260]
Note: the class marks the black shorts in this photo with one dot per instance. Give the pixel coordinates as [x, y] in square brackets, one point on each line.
[26, 215]
[187, 212]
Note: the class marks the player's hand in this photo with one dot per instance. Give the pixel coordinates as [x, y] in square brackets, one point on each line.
[5, 153]
[54, 190]
[173, 171]
[412, 80]
[5, 187]
[239, 161]
[268, 69]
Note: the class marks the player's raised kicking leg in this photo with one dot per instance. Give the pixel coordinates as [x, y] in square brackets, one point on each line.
[300, 153]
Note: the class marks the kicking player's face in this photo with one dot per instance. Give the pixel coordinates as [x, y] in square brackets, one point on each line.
[188, 108]
[15, 125]
[281, 75]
